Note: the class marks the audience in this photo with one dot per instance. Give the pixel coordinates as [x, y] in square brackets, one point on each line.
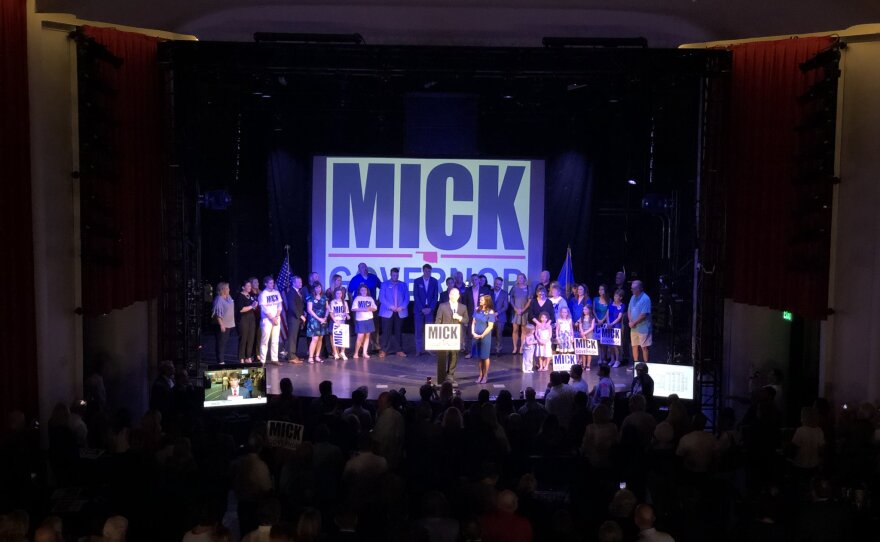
[441, 469]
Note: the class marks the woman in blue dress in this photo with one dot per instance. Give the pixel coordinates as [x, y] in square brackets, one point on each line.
[616, 310]
[316, 325]
[600, 311]
[580, 298]
[481, 329]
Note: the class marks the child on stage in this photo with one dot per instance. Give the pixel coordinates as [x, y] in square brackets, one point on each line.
[364, 306]
[529, 344]
[339, 312]
[586, 324]
[544, 336]
[564, 331]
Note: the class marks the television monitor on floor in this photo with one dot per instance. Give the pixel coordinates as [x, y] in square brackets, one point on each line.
[669, 379]
[237, 385]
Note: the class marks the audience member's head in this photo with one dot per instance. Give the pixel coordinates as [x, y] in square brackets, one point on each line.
[282, 532]
[452, 419]
[577, 372]
[530, 394]
[471, 530]
[602, 414]
[644, 516]
[434, 505]
[664, 435]
[269, 511]
[383, 402]
[308, 528]
[637, 403]
[507, 502]
[565, 377]
[483, 396]
[610, 531]
[641, 368]
[286, 386]
[623, 504]
[426, 392]
[555, 379]
[325, 388]
[604, 370]
[115, 529]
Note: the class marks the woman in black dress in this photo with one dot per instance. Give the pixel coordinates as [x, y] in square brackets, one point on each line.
[244, 309]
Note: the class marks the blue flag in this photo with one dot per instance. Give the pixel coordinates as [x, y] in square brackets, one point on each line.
[566, 275]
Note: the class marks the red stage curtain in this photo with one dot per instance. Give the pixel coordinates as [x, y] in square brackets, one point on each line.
[762, 166]
[123, 268]
[17, 320]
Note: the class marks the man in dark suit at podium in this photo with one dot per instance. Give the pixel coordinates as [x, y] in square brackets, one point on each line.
[451, 312]
[235, 391]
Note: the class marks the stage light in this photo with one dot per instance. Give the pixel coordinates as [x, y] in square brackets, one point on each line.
[786, 315]
[632, 182]
[216, 200]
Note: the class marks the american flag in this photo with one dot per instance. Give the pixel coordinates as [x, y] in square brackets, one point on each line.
[283, 283]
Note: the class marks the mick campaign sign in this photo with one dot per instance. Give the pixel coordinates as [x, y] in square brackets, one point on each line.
[473, 216]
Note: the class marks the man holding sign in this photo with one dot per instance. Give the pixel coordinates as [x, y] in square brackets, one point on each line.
[639, 315]
[451, 312]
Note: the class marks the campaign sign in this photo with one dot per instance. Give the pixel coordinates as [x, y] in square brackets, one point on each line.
[340, 335]
[474, 216]
[284, 434]
[442, 336]
[563, 362]
[586, 347]
[609, 336]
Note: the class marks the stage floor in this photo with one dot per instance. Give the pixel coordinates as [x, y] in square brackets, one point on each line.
[393, 372]
[411, 372]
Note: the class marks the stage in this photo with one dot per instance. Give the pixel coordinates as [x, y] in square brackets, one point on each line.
[394, 372]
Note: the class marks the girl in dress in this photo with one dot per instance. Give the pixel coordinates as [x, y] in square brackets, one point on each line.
[544, 336]
[339, 312]
[363, 306]
[529, 344]
[615, 316]
[316, 325]
[586, 325]
[564, 331]
[481, 330]
[600, 311]
[520, 300]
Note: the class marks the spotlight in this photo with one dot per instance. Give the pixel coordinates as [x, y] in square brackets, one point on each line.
[216, 200]
[632, 182]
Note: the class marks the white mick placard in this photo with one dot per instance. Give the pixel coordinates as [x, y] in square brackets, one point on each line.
[586, 347]
[441, 337]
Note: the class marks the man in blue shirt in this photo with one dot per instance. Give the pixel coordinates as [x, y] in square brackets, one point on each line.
[393, 303]
[372, 282]
[639, 316]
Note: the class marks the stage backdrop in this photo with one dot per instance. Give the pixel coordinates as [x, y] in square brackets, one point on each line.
[473, 216]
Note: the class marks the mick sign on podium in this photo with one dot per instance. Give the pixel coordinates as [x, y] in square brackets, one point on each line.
[473, 216]
[442, 337]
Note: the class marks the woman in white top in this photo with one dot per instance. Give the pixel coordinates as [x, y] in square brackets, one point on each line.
[363, 307]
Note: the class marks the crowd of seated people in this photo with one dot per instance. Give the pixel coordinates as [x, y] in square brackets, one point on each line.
[435, 468]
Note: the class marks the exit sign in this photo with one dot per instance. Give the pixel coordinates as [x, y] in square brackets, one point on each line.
[786, 315]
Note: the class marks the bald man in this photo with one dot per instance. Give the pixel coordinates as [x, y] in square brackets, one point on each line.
[505, 525]
[644, 518]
